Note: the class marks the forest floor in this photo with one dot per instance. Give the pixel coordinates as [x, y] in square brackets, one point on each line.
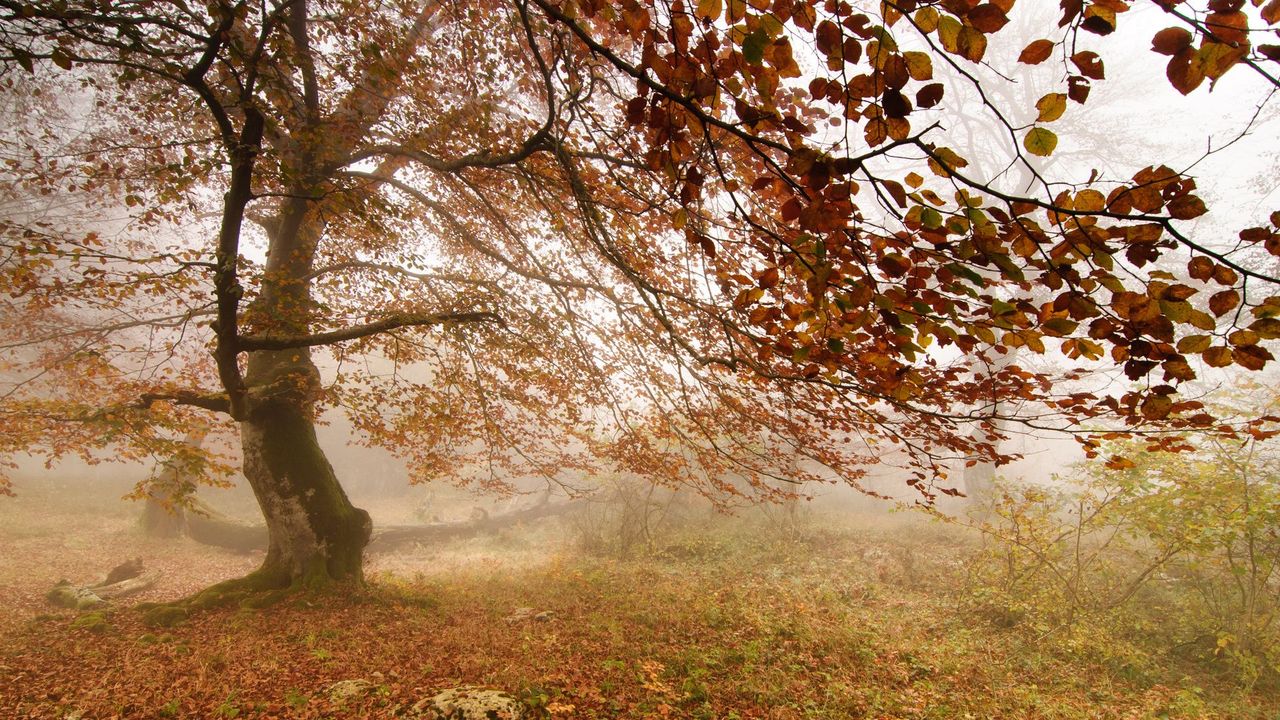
[727, 618]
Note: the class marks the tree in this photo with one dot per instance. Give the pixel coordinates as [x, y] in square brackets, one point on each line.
[544, 237]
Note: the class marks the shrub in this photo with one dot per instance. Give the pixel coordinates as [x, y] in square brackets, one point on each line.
[1171, 553]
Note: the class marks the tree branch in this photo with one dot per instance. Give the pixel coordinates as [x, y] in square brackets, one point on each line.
[392, 322]
[217, 402]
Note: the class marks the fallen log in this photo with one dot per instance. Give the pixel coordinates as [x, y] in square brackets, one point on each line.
[125, 588]
[124, 580]
[208, 526]
[394, 537]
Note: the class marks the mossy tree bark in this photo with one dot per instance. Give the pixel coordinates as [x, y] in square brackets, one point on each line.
[315, 534]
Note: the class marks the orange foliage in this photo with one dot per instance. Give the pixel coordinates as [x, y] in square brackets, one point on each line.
[554, 237]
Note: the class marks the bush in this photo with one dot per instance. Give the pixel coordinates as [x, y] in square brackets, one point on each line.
[1147, 553]
[625, 518]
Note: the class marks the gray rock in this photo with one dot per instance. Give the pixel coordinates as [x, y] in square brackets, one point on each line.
[471, 703]
[520, 615]
[346, 690]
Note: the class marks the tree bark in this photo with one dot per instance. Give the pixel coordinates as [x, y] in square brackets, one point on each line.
[314, 534]
[164, 515]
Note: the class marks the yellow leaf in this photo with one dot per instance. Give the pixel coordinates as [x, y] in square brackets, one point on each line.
[710, 9]
[1051, 107]
[919, 65]
[1040, 142]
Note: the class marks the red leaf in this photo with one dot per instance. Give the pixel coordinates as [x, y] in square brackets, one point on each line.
[1231, 28]
[1183, 74]
[1039, 51]
[1252, 357]
[1224, 302]
[1171, 40]
[828, 36]
[1078, 88]
[1200, 268]
[929, 95]
[895, 189]
[896, 105]
[1271, 12]
[1089, 63]
[988, 18]
[1187, 207]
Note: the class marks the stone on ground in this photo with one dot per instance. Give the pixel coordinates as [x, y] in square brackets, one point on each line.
[471, 703]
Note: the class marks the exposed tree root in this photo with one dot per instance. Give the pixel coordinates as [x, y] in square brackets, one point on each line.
[259, 589]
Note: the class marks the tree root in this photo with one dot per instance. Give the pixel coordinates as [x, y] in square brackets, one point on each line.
[259, 589]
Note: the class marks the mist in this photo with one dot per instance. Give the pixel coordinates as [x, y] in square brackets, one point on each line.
[652, 359]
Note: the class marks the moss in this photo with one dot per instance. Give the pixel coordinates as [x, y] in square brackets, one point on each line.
[295, 466]
[264, 599]
[95, 622]
[64, 594]
[164, 616]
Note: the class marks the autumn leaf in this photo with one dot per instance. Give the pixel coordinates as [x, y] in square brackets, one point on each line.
[988, 18]
[919, 65]
[1171, 41]
[753, 46]
[1271, 12]
[1037, 52]
[1078, 88]
[1252, 357]
[1186, 207]
[1051, 107]
[1089, 64]
[1218, 356]
[710, 9]
[1184, 71]
[60, 58]
[1229, 27]
[929, 95]
[1099, 19]
[1040, 141]
[1156, 407]
[1214, 59]
[1223, 302]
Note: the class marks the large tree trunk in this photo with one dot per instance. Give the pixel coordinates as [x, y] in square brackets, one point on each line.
[164, 515]
[315, 534]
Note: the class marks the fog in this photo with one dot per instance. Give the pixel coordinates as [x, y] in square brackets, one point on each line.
[609, 529]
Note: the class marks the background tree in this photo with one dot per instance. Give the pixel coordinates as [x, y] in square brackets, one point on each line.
[543, 238]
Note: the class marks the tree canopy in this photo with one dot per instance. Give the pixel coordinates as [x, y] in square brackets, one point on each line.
[691, 241]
